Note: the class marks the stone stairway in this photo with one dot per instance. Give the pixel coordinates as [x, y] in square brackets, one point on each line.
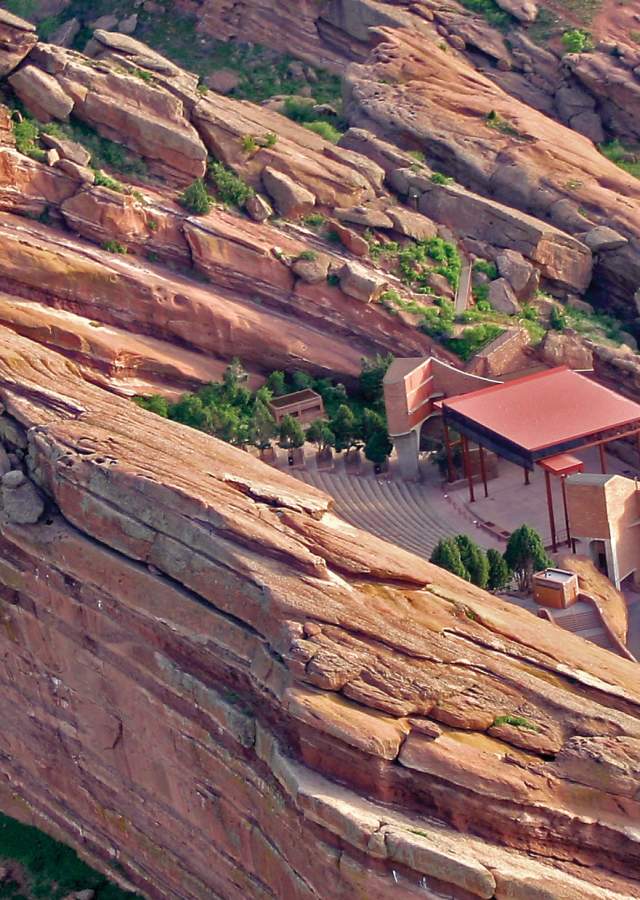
[391, 510]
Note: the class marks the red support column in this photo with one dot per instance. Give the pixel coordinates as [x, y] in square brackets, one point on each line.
[483, 470]
[552, 521]
[603, 461]
[570, 543]
[467, 467]
[447, 443]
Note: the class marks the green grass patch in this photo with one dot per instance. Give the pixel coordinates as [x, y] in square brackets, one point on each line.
[52, 870]
[491, 12]
[516, 722]
[325, 130]
[230, 189]
[596, 325]
[473, 339]
[626, 158]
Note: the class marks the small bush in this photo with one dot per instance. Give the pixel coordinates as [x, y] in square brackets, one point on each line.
[308, 255]
[557, 321]
[249, 144]
[487, 268]
[229, 187]
[324, 130]
[299, 109]
[114, 247]
[333, 279]
[315, 220]
[577, 41]
[196, 199]
[439, 178]
[144, 75]
[515, 722]
[270, 139]
[26, 134]
[104, 180]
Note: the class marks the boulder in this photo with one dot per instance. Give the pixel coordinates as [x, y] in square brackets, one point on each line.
[41, 94]
[65, 35]
[349, 238]
[129, 24]
[561, 349]
[258, 208]
[292, 200]
[603, 238]
[370, 217]
[83, 174]
[17, 37]
[223, 81]
[311, 267]
[440, 285]
[21, 500]
[502, 297]
[67, 149]
[361, 283]
[580, 304]
[107, 22]
[523, 277]
[412, 224]
[52, 157]
[5, 462]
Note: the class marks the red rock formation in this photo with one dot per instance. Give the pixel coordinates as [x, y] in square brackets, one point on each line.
[208, 676]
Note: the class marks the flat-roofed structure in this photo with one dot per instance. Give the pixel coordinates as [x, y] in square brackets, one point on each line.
[556, 588]
[305, 406]
[537, 420]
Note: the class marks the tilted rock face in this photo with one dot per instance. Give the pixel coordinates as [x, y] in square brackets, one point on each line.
[17, 37]
[616, 88]
[125, 108]
[208, 675]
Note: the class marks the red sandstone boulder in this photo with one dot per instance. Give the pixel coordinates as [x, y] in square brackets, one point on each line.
[17, 37]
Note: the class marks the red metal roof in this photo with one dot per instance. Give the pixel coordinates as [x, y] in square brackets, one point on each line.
[546, 409]
[562, 464]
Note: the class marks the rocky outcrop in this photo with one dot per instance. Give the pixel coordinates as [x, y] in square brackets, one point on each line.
[17, 37]
[122, 107]
[616, 88]
[413, 93]
[205, 669]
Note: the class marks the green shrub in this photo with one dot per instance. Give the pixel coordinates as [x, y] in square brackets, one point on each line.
[487, 268]
[624, 157]
[473, 339]
[515, 722]
[499, 573]
[26, 134]
[196, 199]
[308, 255]
[143, 75]
[557, 321]
[249, 144]
[229, 187]
[101, 179]
[525, 554]
[314, 220]
[324, 130]
[474, 560]
[577, 41]
[51, 870]
[299, 109]
[439, 178]
[491, 11]
[114, 247]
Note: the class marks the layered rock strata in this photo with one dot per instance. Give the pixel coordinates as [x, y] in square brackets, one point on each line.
[210, 678]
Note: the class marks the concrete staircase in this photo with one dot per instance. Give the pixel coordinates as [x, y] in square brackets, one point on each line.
[391, 510]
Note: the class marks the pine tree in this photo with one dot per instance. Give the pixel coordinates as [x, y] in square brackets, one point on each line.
[262, 428]
[291, 433]
[499, 574]
[446, 554]
[277, 384]
[343, 425]
[378, 447]
[320, 434]
[474, 560]
[525, 554]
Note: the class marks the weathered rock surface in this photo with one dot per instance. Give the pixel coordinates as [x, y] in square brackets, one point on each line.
[17, 37]
[253, 693]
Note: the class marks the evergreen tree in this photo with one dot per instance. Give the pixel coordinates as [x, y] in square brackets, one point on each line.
[195, 198]
[301, 380]
[262, 428]
[320, 434]
[446, 554]
[525, 554]
[291, 433]
[191, 411]
[277, 384]
[474, 560]
[371, 376]
[378, 447]
[343, 425]
[499, 574]
[155, 404]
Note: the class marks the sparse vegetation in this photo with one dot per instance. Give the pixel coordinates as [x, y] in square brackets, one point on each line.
[492, 13]
[577, 41]
[486, 267]
[195, 198]
[114, 247]
[439, 178]
[230, 189]
[101, 179]
[324, 130]
[494, 120]
[625, 158]
[515, 722]
[47, 868]
[308, 255]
